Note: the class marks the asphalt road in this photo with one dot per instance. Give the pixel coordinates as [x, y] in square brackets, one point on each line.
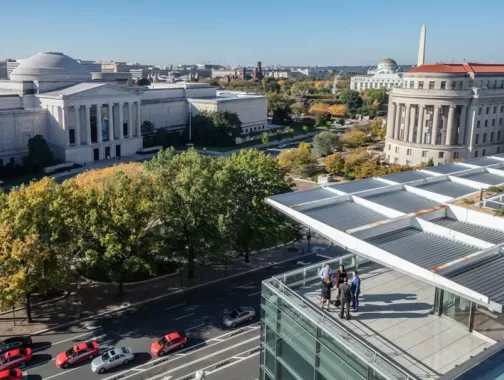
[196, 312]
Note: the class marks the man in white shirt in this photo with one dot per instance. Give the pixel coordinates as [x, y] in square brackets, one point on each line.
[326, 270]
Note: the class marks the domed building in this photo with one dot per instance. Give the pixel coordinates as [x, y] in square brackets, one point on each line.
[387, 74]
[84, 120]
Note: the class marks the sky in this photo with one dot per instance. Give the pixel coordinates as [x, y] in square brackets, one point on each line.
[234, 32]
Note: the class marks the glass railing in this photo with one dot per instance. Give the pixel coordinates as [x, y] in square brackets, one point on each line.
[285, 285]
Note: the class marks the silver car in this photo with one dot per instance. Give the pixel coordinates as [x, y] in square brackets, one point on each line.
[240, 315]
[112, 358]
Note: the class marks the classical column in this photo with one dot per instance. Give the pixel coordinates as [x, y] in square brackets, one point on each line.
[130, 120]
[77, 126]
[462, 125]
[420, 129]
[139, 120]
[435, 126]
[472, 128]
[99, 124]
[121, 122]
[111, 121]
[407, 122]
[88, 124]
[412, 124]
[449, 131]
[391, 121]
[397, 121]
[64, 127]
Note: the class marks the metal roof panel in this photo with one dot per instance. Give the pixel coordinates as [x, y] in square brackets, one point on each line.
[356, 186]
[405, 177]
[402, 200]
[423, 249]
[447, 169]
[297, 197]
[488, 178]
[483, 233]
[485, 161]
[447, 188]
[345, 215]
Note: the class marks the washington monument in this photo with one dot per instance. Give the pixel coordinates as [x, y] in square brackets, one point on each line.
[421, 49]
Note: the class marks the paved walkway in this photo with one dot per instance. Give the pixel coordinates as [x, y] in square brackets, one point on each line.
[97, 298]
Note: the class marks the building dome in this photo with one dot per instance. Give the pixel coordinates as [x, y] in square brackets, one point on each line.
[387, 64]
[50, 67]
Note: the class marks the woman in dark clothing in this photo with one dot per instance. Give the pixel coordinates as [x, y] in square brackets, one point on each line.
[326, 291]
[341, 276]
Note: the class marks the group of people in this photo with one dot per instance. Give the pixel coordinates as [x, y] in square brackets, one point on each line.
[346, 293]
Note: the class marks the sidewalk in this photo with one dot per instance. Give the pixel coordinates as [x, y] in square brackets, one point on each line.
[98, 298]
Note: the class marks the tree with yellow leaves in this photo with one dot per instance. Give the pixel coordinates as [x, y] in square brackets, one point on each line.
[318, 109]
[338, 110]
[377, 128]
[299, 161]
[353, 138]
[37, 251]
[334, 163]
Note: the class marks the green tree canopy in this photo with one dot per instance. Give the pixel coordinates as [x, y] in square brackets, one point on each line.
[351, 99]
[219, 128]
[282, 114]
[326, 142]
[270, 85]
[39, 154]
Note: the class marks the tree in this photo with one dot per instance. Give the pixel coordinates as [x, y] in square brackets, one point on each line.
[323, 119]
[357, 157]
[343, 84]
[278, 134]
[270, 85]
[147, 128]
[189, 203]
[143, 82]
[319, 108]
[351, 99]
[248, 178]
[325, 142]
[334, 163]
[298, 108]
[305, 129]
[274, 99]
[430, 163]
[299, 161]
[265, 138]
[281, 114]
[338, 110]
[39, 154]
[378, 95]
[38, 222]
[118, 223]
[353, 138]
[378, 129]
[219, 128]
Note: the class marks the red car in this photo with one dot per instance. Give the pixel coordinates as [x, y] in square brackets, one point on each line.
[15, 358]
[11, 374]
[77, 354]
[168, 343]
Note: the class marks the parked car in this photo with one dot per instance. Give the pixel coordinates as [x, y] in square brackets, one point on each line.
[77, 354]
[15, 358]
[11, 374]
[15, 342]
[168, 343]
[239, 315]
[111, 359]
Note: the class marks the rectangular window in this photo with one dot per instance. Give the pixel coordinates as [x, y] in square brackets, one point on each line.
[420, 85]
[476, 140]
[397, 149]
[455, 154]
[487, 110]
[408, 152]
[486, 123]
[478, 124]
[484, 138]
[71, 131]
[429, 110]
[461, 84]
[12, 160]
[441, 154]
[498, 135]
[483, 153]
[443, 85]
[491, 136]
[453, 85]
[498, 149]
[396, 160]
[500, 121]
[495, 109]
[502, 109]
[424, 153]
[502, 85]
[389, 147]
[432, 84]
[412, 84]
[476, 153]
[493, 122]
[125, 129]
[479, 111]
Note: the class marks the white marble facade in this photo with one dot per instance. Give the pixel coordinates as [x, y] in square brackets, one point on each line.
[83, 120]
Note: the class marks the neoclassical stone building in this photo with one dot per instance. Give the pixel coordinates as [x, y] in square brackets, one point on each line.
[82, 120]
[387, 74]
[446, 112]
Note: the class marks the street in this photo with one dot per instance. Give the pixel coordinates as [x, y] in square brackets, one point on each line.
[197, 313]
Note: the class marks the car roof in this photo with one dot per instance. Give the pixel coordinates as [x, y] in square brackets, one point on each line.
[10, 353]
[80, 347]
[173, 335]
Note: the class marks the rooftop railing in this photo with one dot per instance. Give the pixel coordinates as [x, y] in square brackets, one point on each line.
[286, 283]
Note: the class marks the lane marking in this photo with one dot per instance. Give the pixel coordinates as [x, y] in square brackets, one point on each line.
[62, 373]
[194, 361]
[219, 340]
[173, 307]
[253, 294]
[184, 316]
[189, 348]
[66, 340]
[195, 327]
[228, 365]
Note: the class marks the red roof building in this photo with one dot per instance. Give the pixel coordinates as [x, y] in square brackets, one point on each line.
[455, 68]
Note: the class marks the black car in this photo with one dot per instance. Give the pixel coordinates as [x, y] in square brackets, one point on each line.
[15, 342]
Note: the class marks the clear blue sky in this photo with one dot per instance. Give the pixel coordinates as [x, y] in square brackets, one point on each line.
[324, 32]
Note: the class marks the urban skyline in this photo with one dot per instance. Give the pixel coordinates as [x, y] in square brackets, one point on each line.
[334, 35]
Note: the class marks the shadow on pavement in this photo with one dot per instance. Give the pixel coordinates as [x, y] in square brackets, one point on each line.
[39, 346]
[39, 359]
[140, 358]
[32, 377]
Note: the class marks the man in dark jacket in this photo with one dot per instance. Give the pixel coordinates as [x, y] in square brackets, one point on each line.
[345, 295]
